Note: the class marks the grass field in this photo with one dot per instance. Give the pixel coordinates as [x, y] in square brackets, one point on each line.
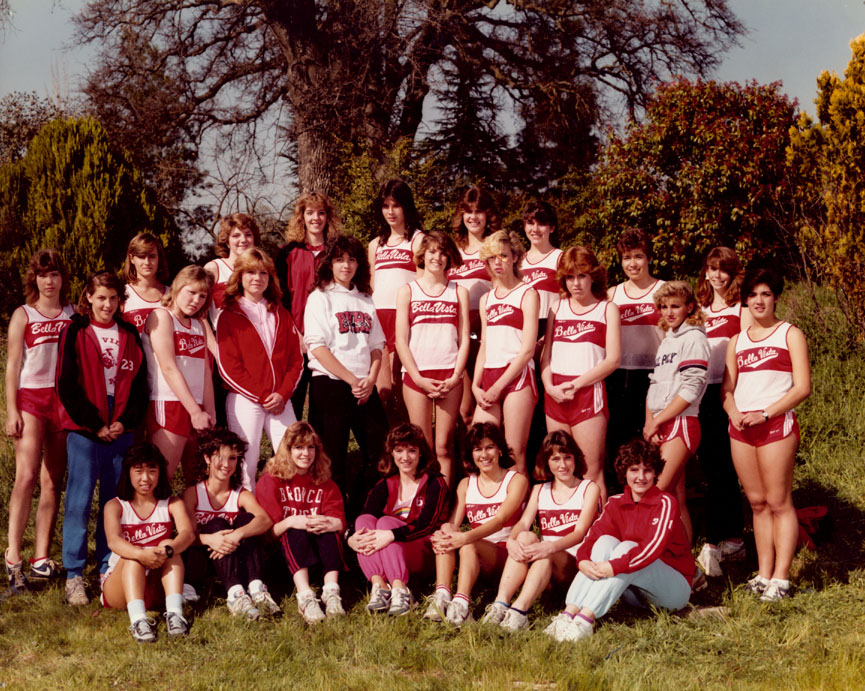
[730, 640]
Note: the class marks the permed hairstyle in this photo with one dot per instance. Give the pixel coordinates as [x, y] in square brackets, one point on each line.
[638, 452]
[633, 239]
[296, 229]
[542, 214]
[581, 260]
[444, 242]
[762, 274]
[407, 434]
[228, 224]
[101, 279]
[496, 242]
[253, 259]
[42, 262]
[189, 275]
[726, 260]
[282, 466]
[558, 441]
[476, 434]
[334, 249]
[401, 194]
[683, 291]
[146, 454]
[475, 199]
[209, 443]
[139, 246]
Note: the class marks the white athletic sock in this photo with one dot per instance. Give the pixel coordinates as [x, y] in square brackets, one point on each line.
[137, 610]
[330, 586]
[174, 603]
[255, 586]
[302, 593]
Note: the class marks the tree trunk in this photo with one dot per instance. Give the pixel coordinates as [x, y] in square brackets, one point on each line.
[317, 161]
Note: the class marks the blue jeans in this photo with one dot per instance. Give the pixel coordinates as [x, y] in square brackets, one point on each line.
[658, 583]
[88, 461]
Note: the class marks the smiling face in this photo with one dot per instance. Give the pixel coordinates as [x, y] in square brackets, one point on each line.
[635, 264]
[675, 311]
[315, 220]
[103, 304]
[718, 279]
[538, 233]
[344, 269]
[254, 283]
[49, 283]
[761, 301]
[435, 259]
[221, 465]
[240, 239]
[475, 222]
[640, 479]
[143, 479]
[486, 455]
[303, 456]
[406, 458]
[562, 465]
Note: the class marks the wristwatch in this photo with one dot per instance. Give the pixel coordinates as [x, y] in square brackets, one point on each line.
[169, 551]
[765, 415]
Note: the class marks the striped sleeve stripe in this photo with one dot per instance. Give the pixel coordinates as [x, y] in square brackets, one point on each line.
[644, 558]
[686, 364]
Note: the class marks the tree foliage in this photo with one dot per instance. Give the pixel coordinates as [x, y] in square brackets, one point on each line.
[828, 158]
[74, 192]
[706, 167]
[22, 115]
[340, 74]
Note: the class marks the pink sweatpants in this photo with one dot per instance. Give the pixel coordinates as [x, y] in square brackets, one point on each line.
[398, 559]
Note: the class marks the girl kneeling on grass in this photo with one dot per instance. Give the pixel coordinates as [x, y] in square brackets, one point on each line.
[308, 517]
[140, 524]
[490, 498]
[392, 537]
[565, 506]
[228, 520]
[637, 548]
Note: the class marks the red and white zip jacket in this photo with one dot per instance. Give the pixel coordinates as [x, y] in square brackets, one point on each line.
[244, 363]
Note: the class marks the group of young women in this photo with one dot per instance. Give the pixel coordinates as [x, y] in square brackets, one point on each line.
[446, 331]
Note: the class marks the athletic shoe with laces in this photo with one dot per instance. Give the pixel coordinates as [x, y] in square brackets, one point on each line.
[332, 602]
[732, 550]
[189, 594]
[17, 580]
[776, 590]
[558, 625]
[401, 602]
[175, 625]
[243, 605]
[308, 606]
[264, 602]
[379, 600]
[757, 585]
[710, 560]
[458, 612]
[47, 570]
[494, 613]
[143, 630]
[76, 593]
[515, 621]
[578, 629]
[438, 605]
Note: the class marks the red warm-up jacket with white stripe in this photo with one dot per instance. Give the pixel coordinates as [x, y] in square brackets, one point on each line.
[654, 523]
[429, 508]
[243, 360]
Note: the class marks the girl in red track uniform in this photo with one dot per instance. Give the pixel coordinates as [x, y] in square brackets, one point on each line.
[146, 273]
[31, 412]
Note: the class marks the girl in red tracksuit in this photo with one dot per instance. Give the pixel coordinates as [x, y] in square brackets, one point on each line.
[639, 541]
[102, 386]
[258, 352]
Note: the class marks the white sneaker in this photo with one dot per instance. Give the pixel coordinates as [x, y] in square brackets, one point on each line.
[308, 606]
[514, 621]
[757, 585]
[710, 560]
[189, 594]
[379, 600]
[557, 626]
[243, 605]
[494, 613]
[578, 629]
[332, 602]
[776, 590]
[732, 550]
[264, 602]
[438, 605]
[458, 612]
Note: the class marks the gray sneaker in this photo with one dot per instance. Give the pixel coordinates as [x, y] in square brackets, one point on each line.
[401, 602]
[76, 593]
[175, 625]
[17, 580]
[494, 613]
[143, 630]
[243, 605]
[379, 600]
[265, 603]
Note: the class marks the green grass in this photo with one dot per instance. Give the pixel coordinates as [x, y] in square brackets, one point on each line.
[815, 640]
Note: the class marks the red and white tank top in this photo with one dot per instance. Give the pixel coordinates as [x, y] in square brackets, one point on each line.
[473, 276]
[394, 267]
[136, 309]
[579, 340]
[41, 336]
[146, 531]
[640, 333]
[223, 273]
[206, 512]
[504, 326]
[480, 508]
[433, 324]
[541, 276]
[558, 520]
[721, 326]
[190, 351]
[765, 369]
